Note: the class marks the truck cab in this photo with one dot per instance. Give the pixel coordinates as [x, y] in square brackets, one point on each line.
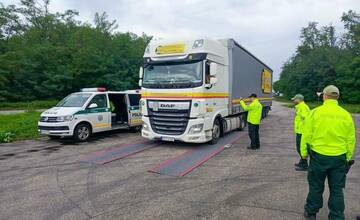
[89, 111]
[191, 88]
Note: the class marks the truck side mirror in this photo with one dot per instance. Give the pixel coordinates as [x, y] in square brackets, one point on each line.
[140, 82]
[141, 72]
[213, 69]
[213, 80]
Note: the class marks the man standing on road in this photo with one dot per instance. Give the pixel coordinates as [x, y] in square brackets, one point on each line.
[329, 132]
[253, 119]
[301, 112]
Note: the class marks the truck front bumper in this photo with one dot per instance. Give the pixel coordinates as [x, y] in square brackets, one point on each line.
[55, 129]
[201, 137]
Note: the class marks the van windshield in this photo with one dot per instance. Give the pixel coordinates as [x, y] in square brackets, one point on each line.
[74, 100]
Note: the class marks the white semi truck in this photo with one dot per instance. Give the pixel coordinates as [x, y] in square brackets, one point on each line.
[190, 89]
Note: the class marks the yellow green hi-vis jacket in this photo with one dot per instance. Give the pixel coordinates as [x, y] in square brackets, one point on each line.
[254, 111]
[329, 130]
[302, 110]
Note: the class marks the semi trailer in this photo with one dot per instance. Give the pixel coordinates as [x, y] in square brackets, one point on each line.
[190, 89]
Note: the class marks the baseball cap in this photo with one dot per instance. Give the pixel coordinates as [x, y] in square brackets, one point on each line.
[331, 90]
[298, 96]
[253, 95]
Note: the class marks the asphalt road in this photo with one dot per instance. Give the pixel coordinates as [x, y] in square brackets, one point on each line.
[42, 179]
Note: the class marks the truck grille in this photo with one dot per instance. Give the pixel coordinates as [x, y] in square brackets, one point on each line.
[169, 122]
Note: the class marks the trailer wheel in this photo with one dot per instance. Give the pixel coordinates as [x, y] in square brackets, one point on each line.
[242, 123]
[82, 132]
[215, 132]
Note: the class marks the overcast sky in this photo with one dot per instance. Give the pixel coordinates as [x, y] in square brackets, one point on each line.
[268, 28]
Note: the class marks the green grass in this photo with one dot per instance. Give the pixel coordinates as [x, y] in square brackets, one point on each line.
[32, 105]
[19, 126]
[353, 108]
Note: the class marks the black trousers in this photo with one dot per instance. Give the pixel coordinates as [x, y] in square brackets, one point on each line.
[302, 162]
[254, 135]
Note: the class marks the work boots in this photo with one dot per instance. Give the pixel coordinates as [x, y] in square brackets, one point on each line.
[309, 216]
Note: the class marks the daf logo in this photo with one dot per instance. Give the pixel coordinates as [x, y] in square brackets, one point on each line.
[167, 105]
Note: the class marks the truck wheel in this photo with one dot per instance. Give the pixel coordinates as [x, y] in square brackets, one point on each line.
[82, 132]
[215, 132]
[135, 129]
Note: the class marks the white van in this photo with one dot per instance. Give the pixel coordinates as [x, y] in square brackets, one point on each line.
[92, 110]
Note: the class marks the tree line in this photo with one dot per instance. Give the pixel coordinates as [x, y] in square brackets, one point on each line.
[324, 57]
[46, 55]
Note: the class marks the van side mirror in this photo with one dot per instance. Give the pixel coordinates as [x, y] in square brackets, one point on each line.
[140, 82]
[93, 105]
[213, 68]
[141, 72]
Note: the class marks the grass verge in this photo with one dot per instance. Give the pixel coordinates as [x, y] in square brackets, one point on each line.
[19, 126]
[39, 104]
[353, 108]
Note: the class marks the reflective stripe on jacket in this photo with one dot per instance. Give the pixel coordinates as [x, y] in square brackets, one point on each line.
[329, 130]
[254, 111]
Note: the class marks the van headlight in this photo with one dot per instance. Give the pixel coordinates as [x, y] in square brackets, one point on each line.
[196, 129]
[64, 118]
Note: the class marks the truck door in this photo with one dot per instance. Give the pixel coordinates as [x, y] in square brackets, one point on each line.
[99, 116]
[134, 110]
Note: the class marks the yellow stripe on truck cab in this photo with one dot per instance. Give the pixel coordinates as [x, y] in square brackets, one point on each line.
[185, 95]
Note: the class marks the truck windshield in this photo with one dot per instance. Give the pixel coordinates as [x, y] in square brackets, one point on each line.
[74, 100]
[173, 75]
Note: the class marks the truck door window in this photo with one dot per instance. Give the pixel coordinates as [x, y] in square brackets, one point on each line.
[100, 100]
[207, 72]
[134, 100]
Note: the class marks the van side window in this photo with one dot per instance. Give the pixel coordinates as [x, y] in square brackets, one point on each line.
[134, 100]
[100, 100]
[207, 72]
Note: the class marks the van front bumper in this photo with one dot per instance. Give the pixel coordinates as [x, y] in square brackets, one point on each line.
[55, 129]
[201, 137]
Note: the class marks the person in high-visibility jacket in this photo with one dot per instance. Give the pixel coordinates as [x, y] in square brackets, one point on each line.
[329, 138]
[301, 112]
[253, 118]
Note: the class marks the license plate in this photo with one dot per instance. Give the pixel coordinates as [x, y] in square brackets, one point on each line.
[44, 132]
[167, 138]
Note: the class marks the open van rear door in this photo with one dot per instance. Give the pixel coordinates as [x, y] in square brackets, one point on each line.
[134, 110]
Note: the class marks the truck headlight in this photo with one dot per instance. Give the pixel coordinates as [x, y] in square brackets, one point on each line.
[64, 118]
[198, 43]
[145, 127]
[196, 129]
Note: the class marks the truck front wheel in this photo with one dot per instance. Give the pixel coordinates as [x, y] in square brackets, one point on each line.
[215, 132]
[82, 132]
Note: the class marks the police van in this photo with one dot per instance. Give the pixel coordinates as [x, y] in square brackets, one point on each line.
[92, 110]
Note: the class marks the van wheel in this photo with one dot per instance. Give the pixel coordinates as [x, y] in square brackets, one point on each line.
[135, 129]
[82, 132]
[215, 132]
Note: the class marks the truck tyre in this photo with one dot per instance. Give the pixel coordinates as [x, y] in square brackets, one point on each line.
[82, 132]
[215, 132]
[135, 129]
